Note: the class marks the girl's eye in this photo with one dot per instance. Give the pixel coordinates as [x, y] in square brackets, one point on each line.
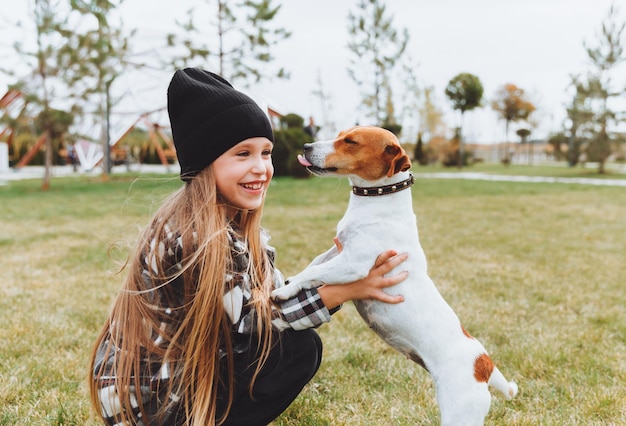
[243, 154]
[267, 152]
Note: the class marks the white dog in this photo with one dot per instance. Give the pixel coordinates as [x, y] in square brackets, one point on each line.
[380, 216]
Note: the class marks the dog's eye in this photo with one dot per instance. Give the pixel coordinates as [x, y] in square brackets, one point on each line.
[350, 142]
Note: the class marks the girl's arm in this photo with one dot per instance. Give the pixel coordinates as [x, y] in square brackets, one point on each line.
[312, 307]
[370, 287]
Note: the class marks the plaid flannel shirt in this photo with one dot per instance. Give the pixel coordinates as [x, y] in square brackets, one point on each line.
[306, 310]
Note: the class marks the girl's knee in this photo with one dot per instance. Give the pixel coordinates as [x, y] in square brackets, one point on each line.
[306, 350]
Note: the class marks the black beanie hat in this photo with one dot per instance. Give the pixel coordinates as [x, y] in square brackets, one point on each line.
[208, 117]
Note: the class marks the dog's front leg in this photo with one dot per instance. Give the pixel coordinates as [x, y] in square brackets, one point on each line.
[294, 287]
[338, 269]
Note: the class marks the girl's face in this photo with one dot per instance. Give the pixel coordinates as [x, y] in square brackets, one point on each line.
[243, 173]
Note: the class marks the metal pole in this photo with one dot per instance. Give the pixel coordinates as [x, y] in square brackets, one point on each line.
[107, 148]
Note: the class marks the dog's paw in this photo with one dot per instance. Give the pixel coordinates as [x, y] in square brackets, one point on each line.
[285, 293]
[512, 390]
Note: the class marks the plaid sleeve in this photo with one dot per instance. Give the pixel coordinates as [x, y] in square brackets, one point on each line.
[306, 310]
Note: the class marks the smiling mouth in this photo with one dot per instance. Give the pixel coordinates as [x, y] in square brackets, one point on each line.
[253, 186]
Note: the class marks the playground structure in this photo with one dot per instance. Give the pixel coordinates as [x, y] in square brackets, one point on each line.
[89, 154]
[8, 102]
[156, 135]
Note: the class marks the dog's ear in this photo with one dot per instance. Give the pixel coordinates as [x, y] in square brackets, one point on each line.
[400, 162]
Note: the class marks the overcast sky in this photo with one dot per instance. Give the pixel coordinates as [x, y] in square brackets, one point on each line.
[534, 44]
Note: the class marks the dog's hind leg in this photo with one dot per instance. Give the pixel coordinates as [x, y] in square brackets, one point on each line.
[463, 405]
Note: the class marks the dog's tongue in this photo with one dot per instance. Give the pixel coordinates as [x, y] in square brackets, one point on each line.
[303, 161]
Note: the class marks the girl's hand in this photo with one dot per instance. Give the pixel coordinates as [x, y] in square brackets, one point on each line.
[370, 287]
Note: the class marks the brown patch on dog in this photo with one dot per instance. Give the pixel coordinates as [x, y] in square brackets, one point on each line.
[483, 367]
[369, 152]
[469, 336]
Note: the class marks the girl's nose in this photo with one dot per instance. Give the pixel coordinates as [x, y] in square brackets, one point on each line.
[259, 165]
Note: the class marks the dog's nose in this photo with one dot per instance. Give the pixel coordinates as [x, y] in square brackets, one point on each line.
[307, 147]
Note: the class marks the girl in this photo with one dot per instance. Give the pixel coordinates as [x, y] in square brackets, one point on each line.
[193, 337]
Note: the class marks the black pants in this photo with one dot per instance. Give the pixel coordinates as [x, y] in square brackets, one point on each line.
[292, 363]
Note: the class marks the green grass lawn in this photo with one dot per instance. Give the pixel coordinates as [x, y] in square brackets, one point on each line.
[535, 271]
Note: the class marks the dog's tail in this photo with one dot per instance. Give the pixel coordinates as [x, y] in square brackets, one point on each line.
[499, 382]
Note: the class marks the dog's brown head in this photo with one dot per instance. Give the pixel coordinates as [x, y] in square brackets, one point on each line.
[365, 151]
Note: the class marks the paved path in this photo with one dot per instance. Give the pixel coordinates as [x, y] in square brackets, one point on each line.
[510, 178]
[37, 172]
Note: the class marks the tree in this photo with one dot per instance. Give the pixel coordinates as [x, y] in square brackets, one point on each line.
[93, 60]
[557, 141]
[390, 122]
[376, 46]
[242, 44]
[40, 87]
[325, 99]
[511, 104]
[431, 116]
[412, 99]
[592, 113]
[419, 155]
[578, 114]
[465, 92]
[75, 59]
[289, 140]
[523, 134]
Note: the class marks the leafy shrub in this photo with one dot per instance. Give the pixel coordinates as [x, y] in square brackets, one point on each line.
[289, 141]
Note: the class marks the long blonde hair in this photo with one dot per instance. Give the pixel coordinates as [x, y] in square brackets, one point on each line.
[199, 215]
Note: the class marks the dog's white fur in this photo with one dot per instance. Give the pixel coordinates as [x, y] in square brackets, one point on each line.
[423, 327]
